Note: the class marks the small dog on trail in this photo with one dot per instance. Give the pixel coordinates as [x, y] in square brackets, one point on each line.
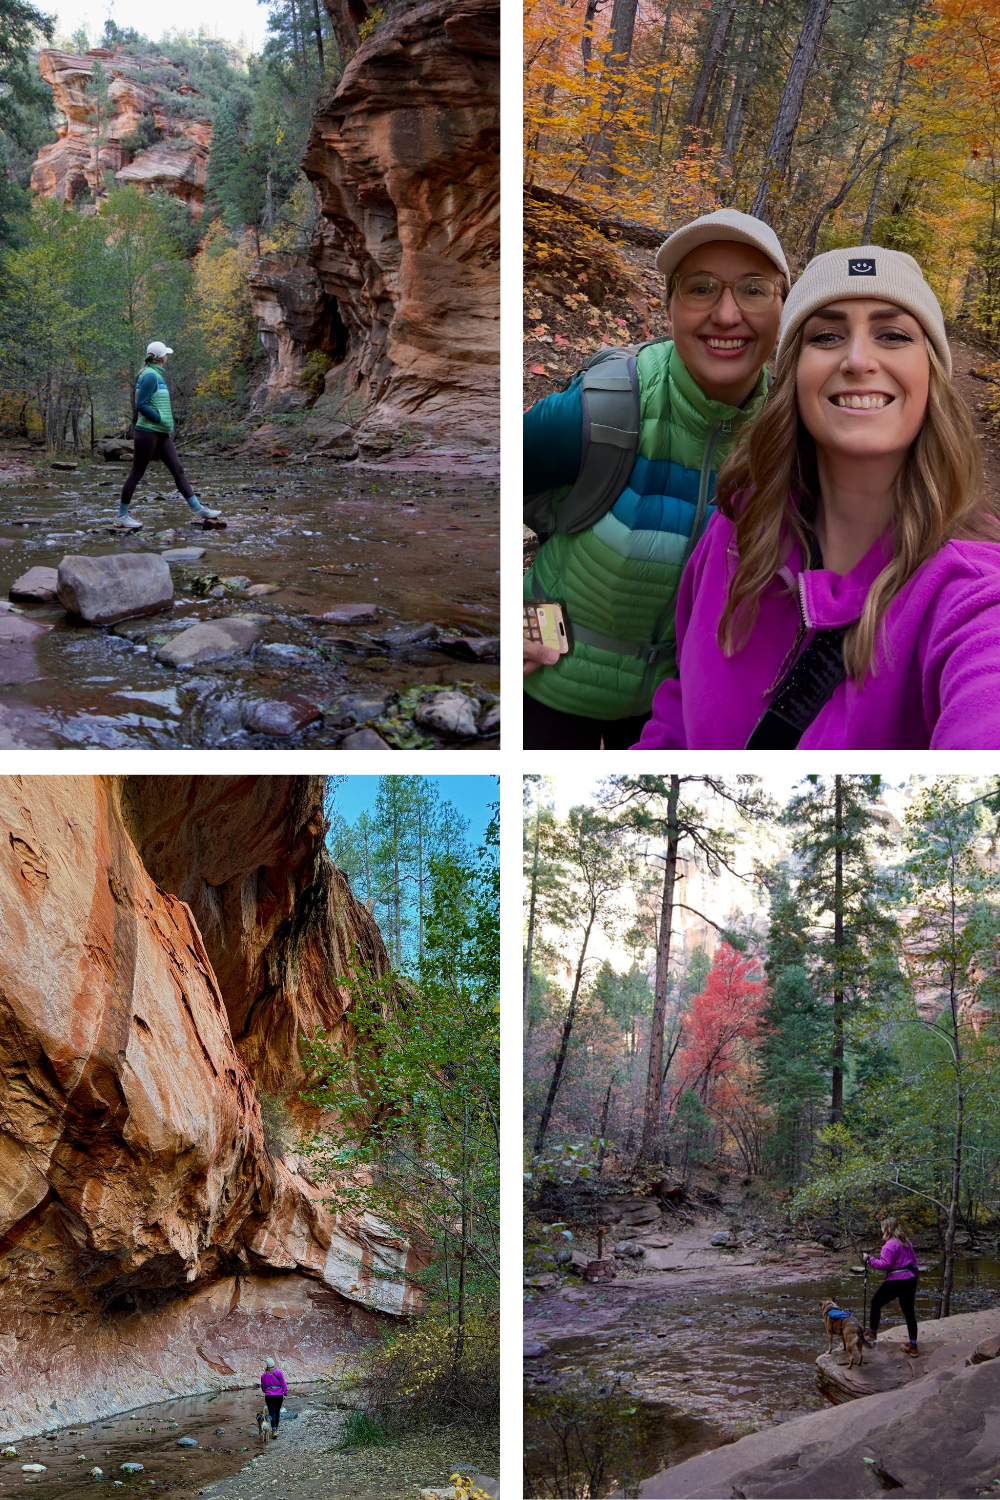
[849, 1329]
[264, 1427]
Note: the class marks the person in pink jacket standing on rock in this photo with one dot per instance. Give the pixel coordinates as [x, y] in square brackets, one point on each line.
[846, 594]
[899, 1261]
[272, 1383]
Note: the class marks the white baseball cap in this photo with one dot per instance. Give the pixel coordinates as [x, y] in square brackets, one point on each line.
[724, 224]
[157, 348]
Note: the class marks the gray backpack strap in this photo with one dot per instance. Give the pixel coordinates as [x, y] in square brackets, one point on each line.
[609, 391]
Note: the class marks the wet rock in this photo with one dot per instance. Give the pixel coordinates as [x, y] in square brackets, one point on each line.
[722, 1238]
[119, 586]
[349, 614]
[235, 583]
[280, 716]
[534, 1350]
[183, 554]
[257, 589]
[186, 1443]
[357, 707]
[96, 1473]
[411, 635]
[489, 724]
[211, 640]
[363, 739]
[18, 662]
[472, 647]
[207, 523]
[447, 713]
[32, 1468]
[8, 1453]
[63, 464]
[286, 651]
[131, 1468]
[37, 586]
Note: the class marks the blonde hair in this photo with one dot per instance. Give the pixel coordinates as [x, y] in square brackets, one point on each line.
[773, 469]
[892, 1228]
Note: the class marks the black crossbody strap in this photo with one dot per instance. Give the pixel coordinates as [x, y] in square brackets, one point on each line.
[808, 684]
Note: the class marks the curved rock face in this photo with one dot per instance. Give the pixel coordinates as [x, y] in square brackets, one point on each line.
[405, 153]
[150, 89]
[295, 317]
[139, 1202]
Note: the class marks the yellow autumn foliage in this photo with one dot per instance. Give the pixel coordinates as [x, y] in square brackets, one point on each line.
[224, 312]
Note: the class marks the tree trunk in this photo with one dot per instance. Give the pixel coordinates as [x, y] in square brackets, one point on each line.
[948, 1275]
[567, 1032]
[654, 1146]
[710, 62]
[586, 41]
[602, 156]
[837, 1082]
[604, 1128]
[319, 35]
[889, 131]
[531, 911]
[655, 107]
[786, 122]
[743, 82]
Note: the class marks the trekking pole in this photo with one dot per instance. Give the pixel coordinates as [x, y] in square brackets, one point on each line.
[864, 1315]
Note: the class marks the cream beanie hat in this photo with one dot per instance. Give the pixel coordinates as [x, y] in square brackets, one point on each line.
[725, 224]
[865, 271]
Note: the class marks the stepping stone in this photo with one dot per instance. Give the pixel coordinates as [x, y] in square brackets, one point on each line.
[210, 640]
[102, 590]
[281, 716]
[363, 739]
[61, 464]
[361, 706]
[37, 586]
[183, 554]
[257, 589]
[472, 647]
[450, 714]
[350, 614]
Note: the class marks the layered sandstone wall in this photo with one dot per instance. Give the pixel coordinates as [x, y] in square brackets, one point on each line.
[143, 1218]
[405, 154]
[147, 88]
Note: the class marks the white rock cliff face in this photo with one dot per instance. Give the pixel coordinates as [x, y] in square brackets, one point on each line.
[144, 1223]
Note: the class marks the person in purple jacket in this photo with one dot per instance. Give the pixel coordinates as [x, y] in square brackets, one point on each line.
[846, 594]
[899, 1261]
[272, 1383]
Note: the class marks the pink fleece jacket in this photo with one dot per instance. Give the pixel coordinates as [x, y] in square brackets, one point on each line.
[272, 1383]
[899, 1260]
[936, 683]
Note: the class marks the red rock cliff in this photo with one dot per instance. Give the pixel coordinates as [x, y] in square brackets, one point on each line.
[405, 154]
[150, 1242]
[150, 89]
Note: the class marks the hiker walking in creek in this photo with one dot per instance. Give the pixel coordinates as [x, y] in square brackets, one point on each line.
[152, 434]
[899, 1261]
[272, 1383]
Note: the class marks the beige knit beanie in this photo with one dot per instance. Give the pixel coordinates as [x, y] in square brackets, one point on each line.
[865, 271]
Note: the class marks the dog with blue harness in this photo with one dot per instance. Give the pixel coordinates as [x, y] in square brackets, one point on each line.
[840, 1320]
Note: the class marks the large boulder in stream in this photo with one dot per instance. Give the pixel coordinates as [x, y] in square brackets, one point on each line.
[936, 1433]
[164, 944]
[118, 586]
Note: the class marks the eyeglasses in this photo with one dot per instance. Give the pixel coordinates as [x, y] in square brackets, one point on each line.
[752, 293]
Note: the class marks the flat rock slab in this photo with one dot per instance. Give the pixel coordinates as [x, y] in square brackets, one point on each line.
[449, 714]
[280, 716]
[350, 614]
[363, 739]
[937, 1435]
[208, 524]
[210, 640]
[362, 706]
[37, 586]
[884, 1369]
[183, 554]
[59, 464]
[257, 589]
[102, 590]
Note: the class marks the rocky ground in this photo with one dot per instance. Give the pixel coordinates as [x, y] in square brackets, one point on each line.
[352, 606]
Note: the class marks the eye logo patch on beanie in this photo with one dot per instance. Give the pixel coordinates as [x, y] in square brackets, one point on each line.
[861, 268]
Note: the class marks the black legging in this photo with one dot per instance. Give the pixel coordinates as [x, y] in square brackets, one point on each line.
[550, 729]
[906, 1291]
[273, 1404]
[150, 445]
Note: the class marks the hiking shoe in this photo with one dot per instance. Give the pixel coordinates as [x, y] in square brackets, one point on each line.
[870, 1340]
[202, 512]
[911, 1350]
[129, 523]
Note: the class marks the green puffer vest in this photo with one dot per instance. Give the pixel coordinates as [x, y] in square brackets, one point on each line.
[618, 580]
[160, 399]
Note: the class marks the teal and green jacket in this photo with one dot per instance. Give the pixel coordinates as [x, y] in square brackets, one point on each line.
[618, 580]
[152, 401]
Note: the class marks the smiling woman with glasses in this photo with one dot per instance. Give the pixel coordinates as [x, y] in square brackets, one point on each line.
[703, 290]
[847, 593]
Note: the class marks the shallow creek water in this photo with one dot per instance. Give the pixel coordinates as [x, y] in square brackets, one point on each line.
[421, 546]
[148, 1435]
[710, 1367]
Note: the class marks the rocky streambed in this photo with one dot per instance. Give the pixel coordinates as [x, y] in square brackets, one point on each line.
[714, 1344]
[344, 606]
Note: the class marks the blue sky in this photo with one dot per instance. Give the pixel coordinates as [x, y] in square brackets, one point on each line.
[471, 795]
